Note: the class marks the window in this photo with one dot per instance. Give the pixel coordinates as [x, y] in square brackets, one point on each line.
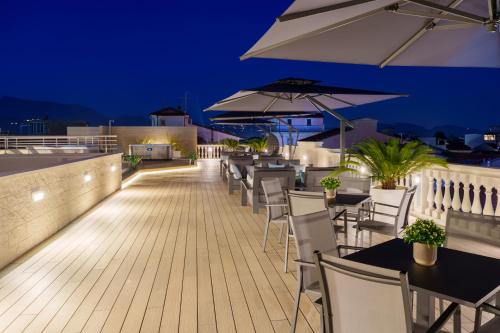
[289, 121]
[489, 137]
[309, 121]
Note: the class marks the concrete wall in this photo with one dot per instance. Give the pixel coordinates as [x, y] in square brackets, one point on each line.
[364, 128]
[313, 153]
[184, 137]
[213, 136]
[25, 223]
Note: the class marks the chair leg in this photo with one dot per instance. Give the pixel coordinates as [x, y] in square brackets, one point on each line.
[281, 232]
[266, 231]
[457, 321]
[287, 243]
[296, 304]
[356, 238]
[362, 238]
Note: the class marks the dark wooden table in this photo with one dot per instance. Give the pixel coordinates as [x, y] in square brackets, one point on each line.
[464, 278]
[344, 200]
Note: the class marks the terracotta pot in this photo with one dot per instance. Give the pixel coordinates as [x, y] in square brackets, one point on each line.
[331, 193]
[425, 255]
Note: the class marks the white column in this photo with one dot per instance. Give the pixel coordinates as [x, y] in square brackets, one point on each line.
[497, 210]
[430, 194]
[455, 203]
[438, 198]
[447, 194]
[466, 200]
[488, 204]
[476, 204]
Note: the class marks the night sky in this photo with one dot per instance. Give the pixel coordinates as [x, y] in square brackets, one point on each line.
[133, 57]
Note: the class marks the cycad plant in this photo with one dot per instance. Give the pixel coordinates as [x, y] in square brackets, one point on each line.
[258, 144]
[388, 162]
[231, 144]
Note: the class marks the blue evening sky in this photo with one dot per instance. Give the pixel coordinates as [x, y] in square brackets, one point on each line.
[133, 57]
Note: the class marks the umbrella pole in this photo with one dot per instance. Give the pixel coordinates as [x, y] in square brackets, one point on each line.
[342, 141]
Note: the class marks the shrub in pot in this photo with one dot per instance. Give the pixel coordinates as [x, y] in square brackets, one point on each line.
[192, 157]
[230, 144]
[330, 184]
[426, 236]
[259, 145]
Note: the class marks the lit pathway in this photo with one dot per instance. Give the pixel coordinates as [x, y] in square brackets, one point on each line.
[172, 252]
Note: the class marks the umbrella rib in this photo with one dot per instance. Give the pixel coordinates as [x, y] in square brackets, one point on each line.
[340, 100]
[321, 107]
[271, 103]
[398, 10]
[224, 101]
[431, 23]
[493, 10]
[320, 10]
[449, 10]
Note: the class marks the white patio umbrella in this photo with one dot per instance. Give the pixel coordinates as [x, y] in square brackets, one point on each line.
[452, 33]
[294, 95]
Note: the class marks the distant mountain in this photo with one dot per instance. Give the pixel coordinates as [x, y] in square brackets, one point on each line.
[14, 109]
[412, 130]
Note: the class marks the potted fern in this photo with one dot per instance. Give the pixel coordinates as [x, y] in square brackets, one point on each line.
[426, 236]
[330, 184]
[389, 162]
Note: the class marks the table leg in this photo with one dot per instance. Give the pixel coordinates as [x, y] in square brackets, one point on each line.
[425, 309]
[345, 226]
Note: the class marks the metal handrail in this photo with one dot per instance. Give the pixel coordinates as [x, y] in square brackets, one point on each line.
[103, 143]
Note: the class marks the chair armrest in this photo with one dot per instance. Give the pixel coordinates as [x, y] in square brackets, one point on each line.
[305, 263]
[384, 204]
[491, 309]
[245, 184]
[277, 205]
[439, 323]
[349, 247]
[339, 214]
[375, 212]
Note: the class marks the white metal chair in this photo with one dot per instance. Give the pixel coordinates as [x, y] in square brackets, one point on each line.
[469, 231]
[276, 207]
[370, 220]
[312, 231]
[363, 298]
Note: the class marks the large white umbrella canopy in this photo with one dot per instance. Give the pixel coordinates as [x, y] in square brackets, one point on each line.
[452, 33]
[296, 95]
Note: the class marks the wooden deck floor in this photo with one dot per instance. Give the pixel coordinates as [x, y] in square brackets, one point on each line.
[172, 252]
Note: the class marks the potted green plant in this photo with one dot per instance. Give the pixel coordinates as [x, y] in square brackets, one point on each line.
[191, 156]
[259, 145]
[387, 162]
[426, 236]
[133, 160]
[231, 144]
[330, 184]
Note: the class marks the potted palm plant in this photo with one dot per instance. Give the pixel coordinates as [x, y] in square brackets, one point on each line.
[259, 145]
[389, 162]
[426, 236]
[230, 144]
[330, 184]
[191, 156]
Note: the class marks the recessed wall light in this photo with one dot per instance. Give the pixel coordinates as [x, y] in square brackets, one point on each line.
[113, 168]
[87, 177]
[37, 195]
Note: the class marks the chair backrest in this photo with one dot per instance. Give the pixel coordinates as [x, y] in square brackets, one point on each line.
[265, 160]
[302, 202]
[363, 298]
[404, 208]
[313, 232]
[351, 184]
[286, 177]
[474, 229]
[274, 195]
[313, 176]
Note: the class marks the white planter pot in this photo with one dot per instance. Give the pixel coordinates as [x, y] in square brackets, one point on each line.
[390, 197]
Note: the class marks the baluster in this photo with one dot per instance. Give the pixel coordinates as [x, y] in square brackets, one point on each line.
[438, 198]
[447, 194]
[430, 194]
[455, 203]
[466, 201]
[488, 204]
[497, 210]
[476, 204]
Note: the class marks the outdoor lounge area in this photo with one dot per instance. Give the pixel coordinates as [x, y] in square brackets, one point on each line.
[170, 252]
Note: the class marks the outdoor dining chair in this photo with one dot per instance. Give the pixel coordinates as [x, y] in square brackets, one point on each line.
[312, 231]
[363, 298]
[303, 203]
[276, 207]
[466, 232]
[370, 219]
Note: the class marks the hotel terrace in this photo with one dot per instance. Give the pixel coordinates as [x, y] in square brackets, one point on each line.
[179, 227]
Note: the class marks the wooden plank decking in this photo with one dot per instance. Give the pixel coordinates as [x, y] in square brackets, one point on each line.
[172, 252]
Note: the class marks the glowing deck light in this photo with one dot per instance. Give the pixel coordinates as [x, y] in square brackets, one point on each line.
[113, 168]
